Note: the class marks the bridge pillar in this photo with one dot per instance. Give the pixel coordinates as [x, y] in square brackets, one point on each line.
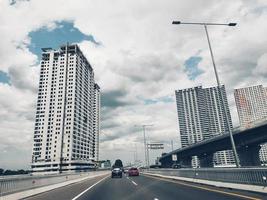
[249, 155]
[166, 162]
[186, 162]
[206, 160]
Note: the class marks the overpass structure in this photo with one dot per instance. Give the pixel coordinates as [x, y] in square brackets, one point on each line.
[247, 142]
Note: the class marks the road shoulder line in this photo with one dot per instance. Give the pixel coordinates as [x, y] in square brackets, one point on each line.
[35, 191]
[79, 195]
[175, 180]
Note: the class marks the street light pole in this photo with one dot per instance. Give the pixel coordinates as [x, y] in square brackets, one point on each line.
[212, 56]
[218, 82]
[145, 147]
[148, 161]
[136, 152]
[134, 157]
[145, 144]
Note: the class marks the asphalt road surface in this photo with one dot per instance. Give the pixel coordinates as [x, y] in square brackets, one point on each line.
[142, 188]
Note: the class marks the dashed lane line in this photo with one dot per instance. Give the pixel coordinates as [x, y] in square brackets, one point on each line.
[134, 183]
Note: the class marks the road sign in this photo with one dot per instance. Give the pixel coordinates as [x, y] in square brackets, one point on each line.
[155, 146]
[174, 157]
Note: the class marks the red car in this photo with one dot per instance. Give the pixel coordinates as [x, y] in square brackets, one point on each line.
[133, 172]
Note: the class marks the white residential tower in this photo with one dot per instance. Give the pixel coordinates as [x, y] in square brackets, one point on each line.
[67, 113]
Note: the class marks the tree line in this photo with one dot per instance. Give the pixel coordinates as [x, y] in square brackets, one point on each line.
[12, 172]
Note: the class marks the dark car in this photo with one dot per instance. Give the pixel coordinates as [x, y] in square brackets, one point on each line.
[176, 166]
[133, 172]
[116, 172]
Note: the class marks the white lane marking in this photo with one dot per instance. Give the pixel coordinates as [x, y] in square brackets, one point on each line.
[131, 180]
[134, 183]
[89, 188]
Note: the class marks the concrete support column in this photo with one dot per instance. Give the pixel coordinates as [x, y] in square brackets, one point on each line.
[166, 162]
[186, 162]
[249, 155]
[206, 160]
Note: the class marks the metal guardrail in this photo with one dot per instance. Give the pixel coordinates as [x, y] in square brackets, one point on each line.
[10, 184]
[251, 176]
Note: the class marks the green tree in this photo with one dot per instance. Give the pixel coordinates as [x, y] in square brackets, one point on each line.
[9, 172]
[118, 163]
[21, 171]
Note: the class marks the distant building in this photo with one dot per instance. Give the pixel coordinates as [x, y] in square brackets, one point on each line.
[105, 164]
[251, 103]
[67, 113]
[201, 116]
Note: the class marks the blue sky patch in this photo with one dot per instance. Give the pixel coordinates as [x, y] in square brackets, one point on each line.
[149, 101]
[13, 2]
[164, 99]
[4, 77]
[191, 67]
[63, 33]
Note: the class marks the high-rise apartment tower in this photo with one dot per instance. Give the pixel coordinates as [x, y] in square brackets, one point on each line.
[201, 115]
[251, 103]
[67, 113]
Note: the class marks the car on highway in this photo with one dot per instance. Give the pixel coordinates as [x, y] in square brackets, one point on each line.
[116, 172]
[126, 170]
[133, 172]
[176, 166]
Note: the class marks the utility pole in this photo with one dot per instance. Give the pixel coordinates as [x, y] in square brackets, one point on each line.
[136, 157]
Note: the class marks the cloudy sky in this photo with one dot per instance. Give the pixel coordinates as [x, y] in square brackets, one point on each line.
[139, 60]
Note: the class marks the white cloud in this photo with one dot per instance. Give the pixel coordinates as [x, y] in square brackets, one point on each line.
[142, 55]
[261, 68]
